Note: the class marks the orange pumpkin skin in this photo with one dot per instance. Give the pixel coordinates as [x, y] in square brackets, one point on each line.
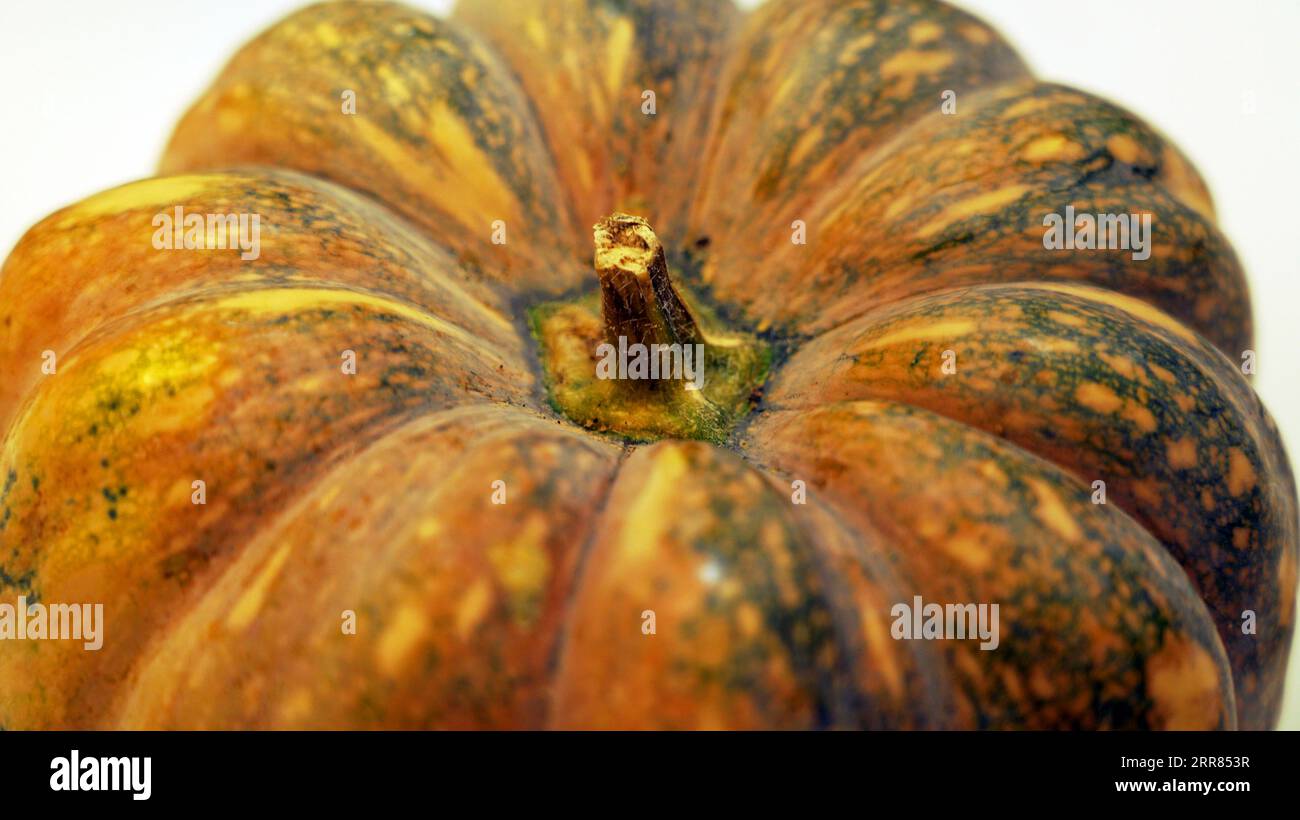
[373, 493]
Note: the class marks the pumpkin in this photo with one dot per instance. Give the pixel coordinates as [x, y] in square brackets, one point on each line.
[907, 396]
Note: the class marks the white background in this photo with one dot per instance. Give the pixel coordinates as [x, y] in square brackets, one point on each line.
[93, 88]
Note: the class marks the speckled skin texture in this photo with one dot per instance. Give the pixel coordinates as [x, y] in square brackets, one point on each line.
[373, 492]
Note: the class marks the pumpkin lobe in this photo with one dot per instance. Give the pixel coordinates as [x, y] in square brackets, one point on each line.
[636, 359]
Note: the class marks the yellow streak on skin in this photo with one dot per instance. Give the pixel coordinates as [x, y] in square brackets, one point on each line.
[969, 551]
[749, 620]
[326, 498]
[481, 196]
[876, 628]
[1026, 106]
[585, 175]
[787, 85]
[536, 31]
[429, 529]
[1128, 304]
[136, 365]
[164, 192]
[328, 35]
[1141, 417]
[250, 603]
[1286, 579]
[1052, 147]
[1052, 512]
[394, 86]
[975, 34]
[1241, 475]
[639, 534]
[930, 331]
[807, 141]
[1123, 148]
[1098, 397]
[522, 565]
[291, 300]
[1058, 346]
[853, 51]
[1161, 373]
[1181, 681]
[401, 637]
[895, 207]
[924, 32]
[912, 62]
[1063, 318]
[983, 203]
[618, 51]
[472, 608]
[1181, 179]
[1122, 365]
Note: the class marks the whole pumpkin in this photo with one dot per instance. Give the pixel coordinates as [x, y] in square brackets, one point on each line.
[907, 393]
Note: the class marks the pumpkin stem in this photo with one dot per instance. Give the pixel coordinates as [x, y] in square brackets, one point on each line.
[632, 360]
[637, 296]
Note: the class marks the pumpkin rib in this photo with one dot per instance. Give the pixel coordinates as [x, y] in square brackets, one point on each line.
[1196, 279]
[958, 200]
[585, 64]
[564, 626]
[736, 578]
[53, 296]
[911, 694]
[452, 632]
[812, 86]
[234, 392]
[441, 134]
[1100, 627]
[1105, 388]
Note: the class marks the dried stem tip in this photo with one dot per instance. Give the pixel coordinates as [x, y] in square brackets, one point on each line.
[638, 299]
